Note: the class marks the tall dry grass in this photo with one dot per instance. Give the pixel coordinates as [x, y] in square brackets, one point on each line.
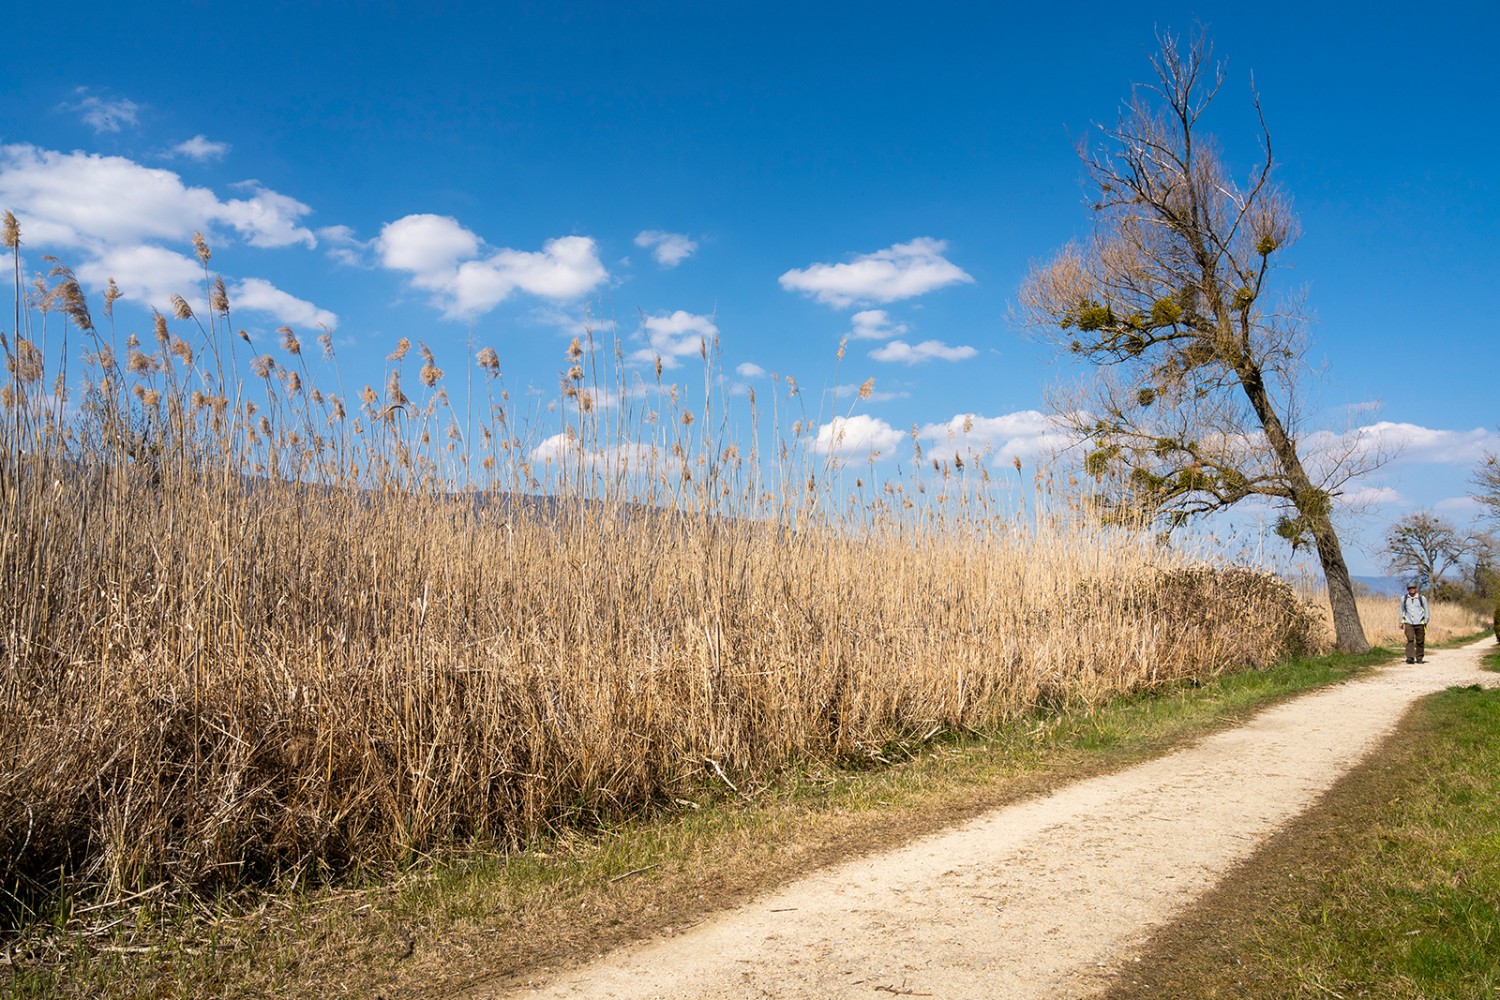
[255, 629]
[1450, 620]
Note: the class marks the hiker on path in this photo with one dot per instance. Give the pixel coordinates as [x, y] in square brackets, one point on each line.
[1414, 623]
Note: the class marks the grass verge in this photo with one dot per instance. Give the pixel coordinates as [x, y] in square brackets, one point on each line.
[1390, 889]
[446, 926]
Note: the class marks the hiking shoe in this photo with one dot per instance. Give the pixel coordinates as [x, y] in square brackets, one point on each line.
[1420, 660]
[1410, 660]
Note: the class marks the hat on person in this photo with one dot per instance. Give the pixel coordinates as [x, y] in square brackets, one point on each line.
[1411, 585]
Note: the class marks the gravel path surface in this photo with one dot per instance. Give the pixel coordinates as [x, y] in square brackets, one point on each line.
[1039, 899]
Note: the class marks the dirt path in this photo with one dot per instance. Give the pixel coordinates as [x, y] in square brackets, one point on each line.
[1040, 899]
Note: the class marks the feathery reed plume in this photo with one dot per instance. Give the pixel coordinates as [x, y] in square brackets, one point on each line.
[218, 297]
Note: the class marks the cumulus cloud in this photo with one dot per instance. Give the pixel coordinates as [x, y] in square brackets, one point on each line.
[669, 249]
[902, 271]
[111, 213]
[1420, 444]
[914, 354]
[675, 336]
[147, 275]
[84, 200]
[858, 437]
[749, 370]
[262, 296]
[466, 279]
[201, 148]
[150, 275]
[875, 324]
[103, 115]
[1028, 435]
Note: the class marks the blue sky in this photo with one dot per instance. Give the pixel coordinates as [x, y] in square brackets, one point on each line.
[780, 175]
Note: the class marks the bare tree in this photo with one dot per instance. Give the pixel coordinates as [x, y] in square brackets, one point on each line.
[1486, 483]
[1424, 545]
[1197, 408]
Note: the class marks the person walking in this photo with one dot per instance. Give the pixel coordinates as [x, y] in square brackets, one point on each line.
[1414, 624]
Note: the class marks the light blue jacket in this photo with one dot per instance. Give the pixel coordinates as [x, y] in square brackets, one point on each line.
[1413, 610]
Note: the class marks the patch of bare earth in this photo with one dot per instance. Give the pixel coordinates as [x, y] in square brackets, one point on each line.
[1045, 898]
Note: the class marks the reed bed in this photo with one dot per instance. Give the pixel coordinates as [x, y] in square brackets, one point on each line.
[256, 632]
[1450, 620]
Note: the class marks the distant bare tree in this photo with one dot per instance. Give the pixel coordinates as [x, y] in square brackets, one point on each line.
[1424, 545]
[1198, 408]
[1487, 485]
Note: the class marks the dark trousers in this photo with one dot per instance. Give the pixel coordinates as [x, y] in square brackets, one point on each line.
[1416, 640]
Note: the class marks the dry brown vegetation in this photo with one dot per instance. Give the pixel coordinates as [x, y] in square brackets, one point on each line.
[255, 631]
[1450, 620]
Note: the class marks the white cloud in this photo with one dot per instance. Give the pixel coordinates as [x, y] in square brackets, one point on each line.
[875, 396]
[110, 212]
[1426, 444]
[201, 148]
[669, 249]
[445, 258]
[857, 437]
[84, 200]
[625, 457]
[903, 271]
[749, 370]
[927, 350]
[875, 324]
[677, 335]
[150, 276]
[262, 296]
[429, 246]
[1024, 434]
[147, 275]
[343, 246]
[1461, 506]
[104, 115]
[1372, 496]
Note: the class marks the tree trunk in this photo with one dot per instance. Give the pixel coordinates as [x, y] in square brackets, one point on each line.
[1348, 631]
[1311, 503]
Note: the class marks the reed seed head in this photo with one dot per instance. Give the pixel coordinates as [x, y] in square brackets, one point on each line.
[10, 232]
[25, 363]
[200, 250]
[218, 298]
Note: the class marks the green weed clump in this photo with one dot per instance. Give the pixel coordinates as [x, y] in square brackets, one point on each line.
[257, 629]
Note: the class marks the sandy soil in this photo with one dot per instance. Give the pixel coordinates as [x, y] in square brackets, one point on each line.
[1040, 899]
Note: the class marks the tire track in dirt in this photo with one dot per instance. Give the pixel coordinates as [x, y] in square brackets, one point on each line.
[1041, 899]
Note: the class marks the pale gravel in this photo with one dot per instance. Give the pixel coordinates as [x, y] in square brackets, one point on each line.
[1042, 899]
